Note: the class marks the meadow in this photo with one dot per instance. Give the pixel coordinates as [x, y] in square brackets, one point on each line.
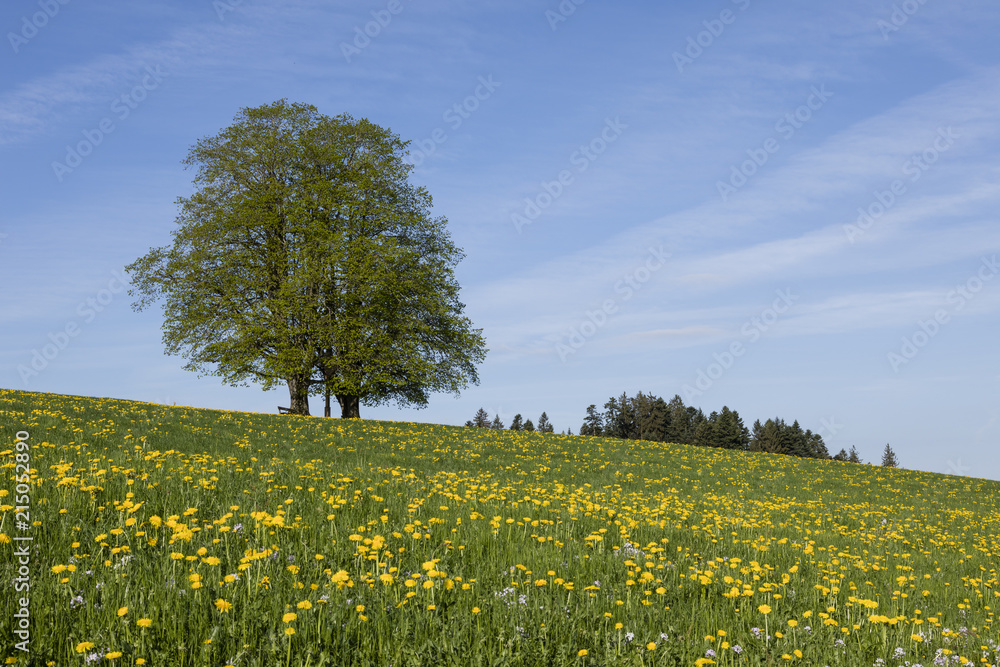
[180, 536]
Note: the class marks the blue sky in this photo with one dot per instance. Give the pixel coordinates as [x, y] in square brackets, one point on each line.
[789, 209]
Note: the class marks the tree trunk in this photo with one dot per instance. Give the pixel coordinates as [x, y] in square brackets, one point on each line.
[326, 408]
[350, 406]
[298, 392]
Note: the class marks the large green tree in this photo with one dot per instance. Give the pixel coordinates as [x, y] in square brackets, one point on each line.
[730, 433]
[306, 257]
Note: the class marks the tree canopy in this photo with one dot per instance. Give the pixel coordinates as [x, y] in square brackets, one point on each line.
[306, 257]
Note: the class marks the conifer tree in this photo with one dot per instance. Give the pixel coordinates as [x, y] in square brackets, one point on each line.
[544, 426]
[593, 423]
[529, 426]
[516, 423]
[817, 448]
[482, 419]
[497, 424]
[679, 427]
[768, 437]
[889, 457]
[730, 433]
[704, 433]
[619, 419]
[651, 417]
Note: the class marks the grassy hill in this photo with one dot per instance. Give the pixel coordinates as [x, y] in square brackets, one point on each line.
[181, 536]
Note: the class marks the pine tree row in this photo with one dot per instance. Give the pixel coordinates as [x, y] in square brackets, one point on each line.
[482, 420]
[649, 417]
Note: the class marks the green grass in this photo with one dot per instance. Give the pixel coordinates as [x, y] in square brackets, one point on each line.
[522, 549]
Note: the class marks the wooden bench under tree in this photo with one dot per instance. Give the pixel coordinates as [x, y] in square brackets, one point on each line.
[284, 411]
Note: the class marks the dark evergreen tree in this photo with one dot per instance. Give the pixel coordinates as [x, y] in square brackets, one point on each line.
[704, 434]
[695, 417]
[679, 422]
[768, 437]
[651, 417]
[793, 440]
[482, 419]
[841, 455]
[619, 417]
[853, 456]
[528, 426]
[516, 424]
[497, 424]
[756, 436]
[889, 457]
[544, 425]
[469, 424]
[730, 433]
[816, 446]
[593, 423]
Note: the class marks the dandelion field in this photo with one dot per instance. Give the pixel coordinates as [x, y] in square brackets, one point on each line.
[179, 536]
